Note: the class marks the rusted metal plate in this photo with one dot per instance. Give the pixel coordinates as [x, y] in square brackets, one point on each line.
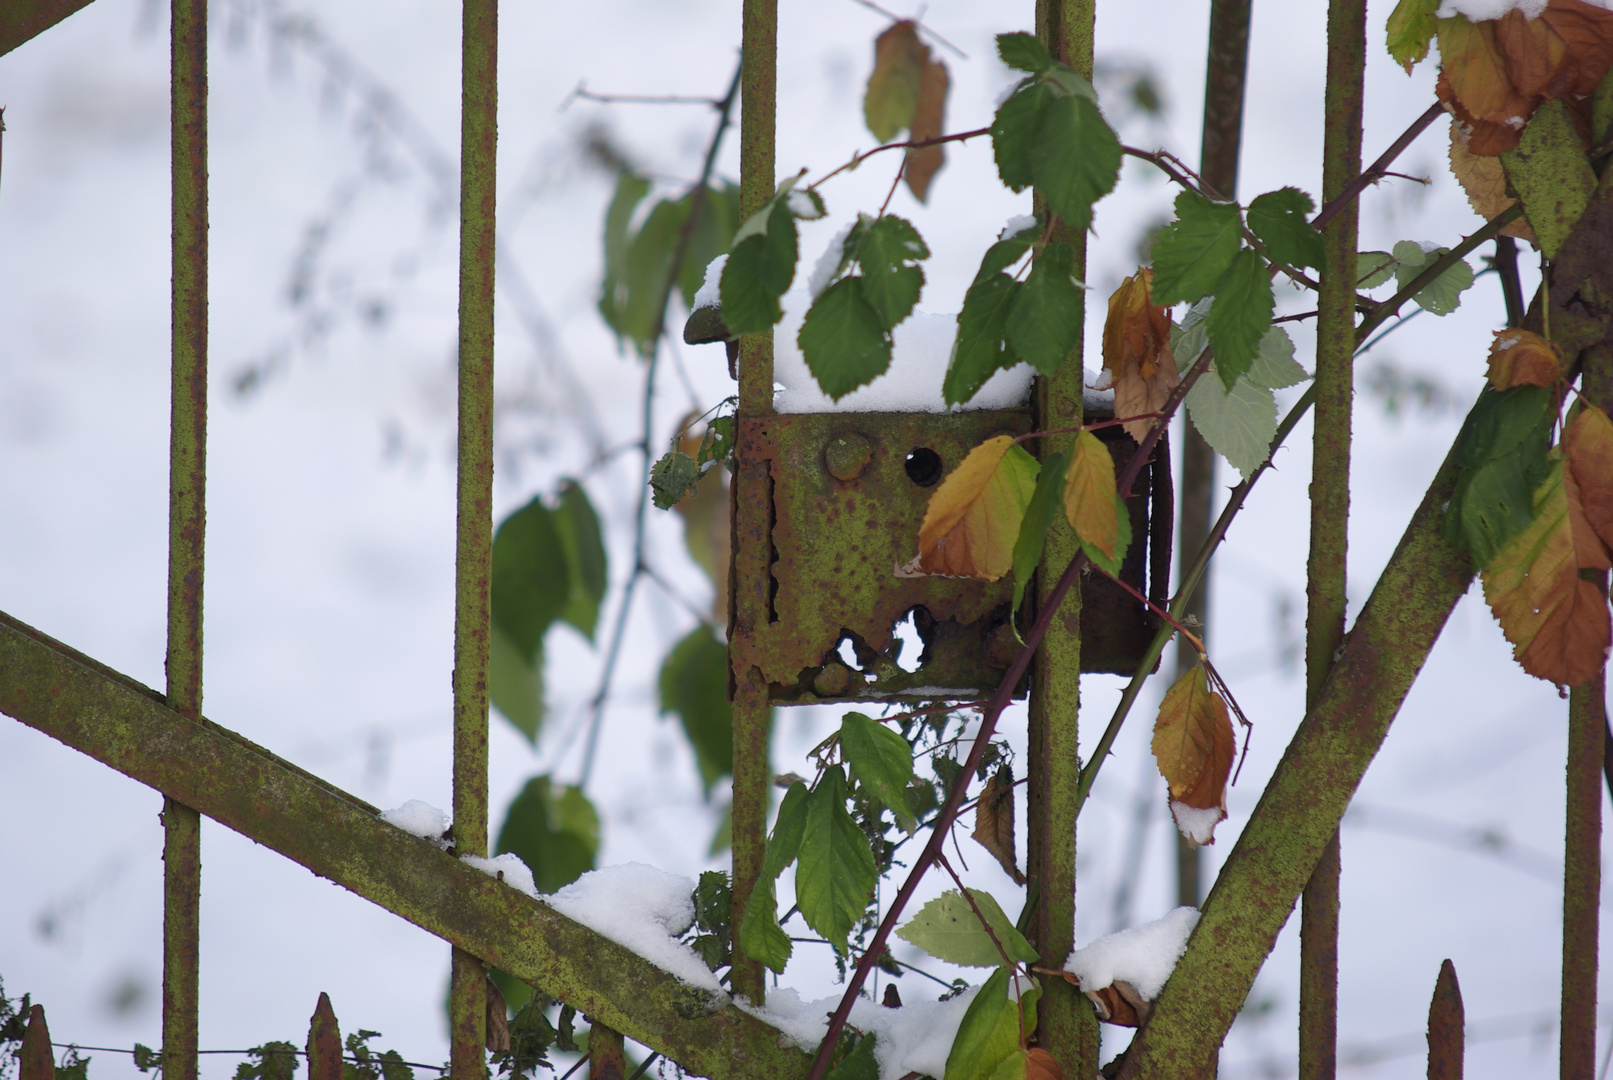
[848, 492]
[23, 20]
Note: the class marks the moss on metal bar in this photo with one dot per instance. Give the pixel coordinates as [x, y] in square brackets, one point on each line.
[1302, 805]
[127, 726]
[23, 20]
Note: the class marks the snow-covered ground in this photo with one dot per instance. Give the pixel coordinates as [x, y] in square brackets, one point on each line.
[330, 554]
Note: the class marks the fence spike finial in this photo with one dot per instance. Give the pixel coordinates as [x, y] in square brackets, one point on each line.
[324, 1042]
[37, 1061]
[1445, 1023]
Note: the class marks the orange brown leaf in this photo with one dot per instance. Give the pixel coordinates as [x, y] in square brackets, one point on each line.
[929, 121]
[1193, 743]
[1089, 494]
[973, 518]
[1589, 444]
[1473, 67]
[1520, 358]
[1558, 624]
[1137, 351]
[1589, 551]
[1040, 1065]
[994, 821]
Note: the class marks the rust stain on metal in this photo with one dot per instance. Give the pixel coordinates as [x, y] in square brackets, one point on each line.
[1445, 1024]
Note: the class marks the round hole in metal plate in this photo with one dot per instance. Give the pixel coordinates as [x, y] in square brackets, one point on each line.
[924, 466]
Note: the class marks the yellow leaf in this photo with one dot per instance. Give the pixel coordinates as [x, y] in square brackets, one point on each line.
[973, 518]
[1193, 743]
[1137, 351]
[1558, 624]
[1589, 443]
[1519, 358]
[1089, 494]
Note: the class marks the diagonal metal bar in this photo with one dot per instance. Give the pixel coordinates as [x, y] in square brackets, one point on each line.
[127, 726]
[23, 20]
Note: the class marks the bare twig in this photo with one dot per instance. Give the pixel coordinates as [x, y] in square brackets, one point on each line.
[581, 93]
[910, 144]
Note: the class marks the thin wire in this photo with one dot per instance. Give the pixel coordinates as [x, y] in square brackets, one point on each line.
[246, 1053]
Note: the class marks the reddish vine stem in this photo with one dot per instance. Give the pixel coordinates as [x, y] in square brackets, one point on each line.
[910, 144]
[1378, 169]
[988, 724]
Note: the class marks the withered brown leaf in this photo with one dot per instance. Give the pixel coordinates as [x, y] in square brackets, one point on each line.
[1137, 351]
[1521, 358]
[994, 821]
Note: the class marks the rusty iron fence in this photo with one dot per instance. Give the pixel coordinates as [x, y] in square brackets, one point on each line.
[164, 740]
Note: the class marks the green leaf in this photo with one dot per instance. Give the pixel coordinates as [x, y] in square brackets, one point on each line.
[1279, 219]
[1190, 336]
[531, 582]
[1075, 158]
[647, 272]
[554, 830]
[759, 932]
[515, 685]
[1373, 268]
[989, 1033]
[1440, 296]
[1024, 52]
[788, 827]
[1013, 1067]
[1275, 366]
[630, 191]
[1501, 456]
[1193, 252]
[1044, 324]
[694, 684]
[1240, 316]
[1239, 424]
[759, 271]
[835, 873]
[672, 477]
[1412, 26]
[859, 1064]
[713, 234]
[981, 350]
[578, 526]
[1014, 132]
[948, 929]
[1046, 502]
[889, 251]
[1122, 541]
[1551, 174]
[882, 762]
[843, 340]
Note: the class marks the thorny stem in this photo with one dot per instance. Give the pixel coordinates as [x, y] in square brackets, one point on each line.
[1380, 168]
[685, 235]
[988, 724]
[1194, 639]
[985, 924]
[911, 144]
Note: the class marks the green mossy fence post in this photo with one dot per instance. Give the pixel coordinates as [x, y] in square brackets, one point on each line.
[1330, 502]
[1066, 1023]
[187, 522]
[478, 175]
[752, 494]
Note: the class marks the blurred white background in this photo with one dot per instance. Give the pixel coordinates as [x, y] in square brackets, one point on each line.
[334, 134]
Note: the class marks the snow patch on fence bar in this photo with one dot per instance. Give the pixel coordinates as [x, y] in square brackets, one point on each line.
[508, 868]
[642, 909]
[915, 1038]
[420, 819]
[1143, 956]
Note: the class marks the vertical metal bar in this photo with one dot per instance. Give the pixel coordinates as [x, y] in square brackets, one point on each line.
[1330, 504]
[1445, 1027]
[324, 1042]
[478, 174]
[607, 1057]
[187, 518]
[1582, 840]
[750, 589]
[1066, 1024]
[1226, 65]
